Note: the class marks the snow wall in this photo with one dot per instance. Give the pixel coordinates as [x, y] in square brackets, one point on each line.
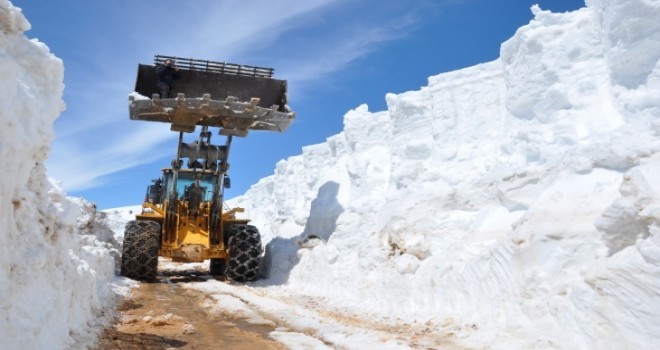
[514, 204]
[56, 258]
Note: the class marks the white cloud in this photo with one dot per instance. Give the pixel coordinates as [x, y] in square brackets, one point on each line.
[348, 46]
[80, 163]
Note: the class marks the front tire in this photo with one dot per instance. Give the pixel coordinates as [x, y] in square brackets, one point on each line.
[245, 252]
[139, 258]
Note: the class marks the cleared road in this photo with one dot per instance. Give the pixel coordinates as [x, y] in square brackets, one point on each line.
[164, 315]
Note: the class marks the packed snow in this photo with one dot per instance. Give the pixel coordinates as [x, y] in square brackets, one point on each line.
[509, 205]
[513, 204]
[57, 258]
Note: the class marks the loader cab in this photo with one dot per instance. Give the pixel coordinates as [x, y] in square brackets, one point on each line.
[186, 178]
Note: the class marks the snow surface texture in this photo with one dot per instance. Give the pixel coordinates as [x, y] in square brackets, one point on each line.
[56, 259]
[514, 204]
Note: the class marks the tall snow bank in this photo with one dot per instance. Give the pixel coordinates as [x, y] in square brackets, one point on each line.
[513, 204]
[56, 259]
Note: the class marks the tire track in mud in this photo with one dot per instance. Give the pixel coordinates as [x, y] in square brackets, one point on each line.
[168, 314]
[165, 315]
[306, 323]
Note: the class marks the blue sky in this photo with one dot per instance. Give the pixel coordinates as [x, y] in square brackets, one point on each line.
[335, 54]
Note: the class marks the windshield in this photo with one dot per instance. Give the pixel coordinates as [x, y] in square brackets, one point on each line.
[207, 182]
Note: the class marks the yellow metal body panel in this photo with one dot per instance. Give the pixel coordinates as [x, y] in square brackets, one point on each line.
[189, 238]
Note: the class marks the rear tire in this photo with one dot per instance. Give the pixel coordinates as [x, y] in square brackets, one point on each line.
[245, 251]
[139, 258]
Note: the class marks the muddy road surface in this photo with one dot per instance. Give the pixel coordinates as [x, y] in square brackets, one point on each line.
[175, 312]
[165, 315]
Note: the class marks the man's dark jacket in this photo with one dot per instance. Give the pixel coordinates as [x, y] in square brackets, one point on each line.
[166, 74]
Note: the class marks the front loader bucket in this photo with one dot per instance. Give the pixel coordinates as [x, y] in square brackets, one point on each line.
[233, 116]
[233, 97]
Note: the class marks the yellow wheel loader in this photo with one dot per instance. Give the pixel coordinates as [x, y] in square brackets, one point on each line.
[184, 216]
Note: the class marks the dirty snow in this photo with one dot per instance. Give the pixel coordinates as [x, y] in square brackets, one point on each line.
[57, 259]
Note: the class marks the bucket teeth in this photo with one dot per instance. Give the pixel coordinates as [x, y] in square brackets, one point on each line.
[234, 116]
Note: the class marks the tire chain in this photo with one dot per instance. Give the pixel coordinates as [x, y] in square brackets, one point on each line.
[244, 253]
[140, 250]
